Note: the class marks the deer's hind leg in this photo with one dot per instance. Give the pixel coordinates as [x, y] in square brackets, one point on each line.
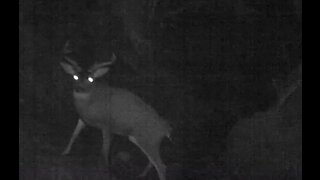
[151, 148]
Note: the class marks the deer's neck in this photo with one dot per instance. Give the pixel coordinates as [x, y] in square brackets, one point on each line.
[81, 99]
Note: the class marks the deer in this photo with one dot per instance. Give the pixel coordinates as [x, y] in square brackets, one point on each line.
[114, 111]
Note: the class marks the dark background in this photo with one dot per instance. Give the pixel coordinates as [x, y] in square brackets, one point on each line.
[207, 67]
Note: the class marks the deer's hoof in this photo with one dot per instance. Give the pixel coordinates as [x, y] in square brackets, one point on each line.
[142, 175]
[64, 153]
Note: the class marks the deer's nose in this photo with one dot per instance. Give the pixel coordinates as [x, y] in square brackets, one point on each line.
[79, 87]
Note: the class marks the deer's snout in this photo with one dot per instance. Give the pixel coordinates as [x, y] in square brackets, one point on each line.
[81, 87]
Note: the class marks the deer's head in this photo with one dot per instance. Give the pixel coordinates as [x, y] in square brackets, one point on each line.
[84, 79]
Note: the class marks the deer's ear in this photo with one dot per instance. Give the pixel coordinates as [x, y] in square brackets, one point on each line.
[68, 68]
[100, 72]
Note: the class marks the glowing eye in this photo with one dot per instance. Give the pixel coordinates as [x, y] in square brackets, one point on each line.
[75, 77]
[90, 79]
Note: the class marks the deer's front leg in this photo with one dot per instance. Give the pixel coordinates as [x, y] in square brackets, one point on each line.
[106, 138]
[146, 170]
[80, 125]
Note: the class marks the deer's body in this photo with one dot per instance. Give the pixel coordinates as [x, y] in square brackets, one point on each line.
[115, 111]
[120, 111]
